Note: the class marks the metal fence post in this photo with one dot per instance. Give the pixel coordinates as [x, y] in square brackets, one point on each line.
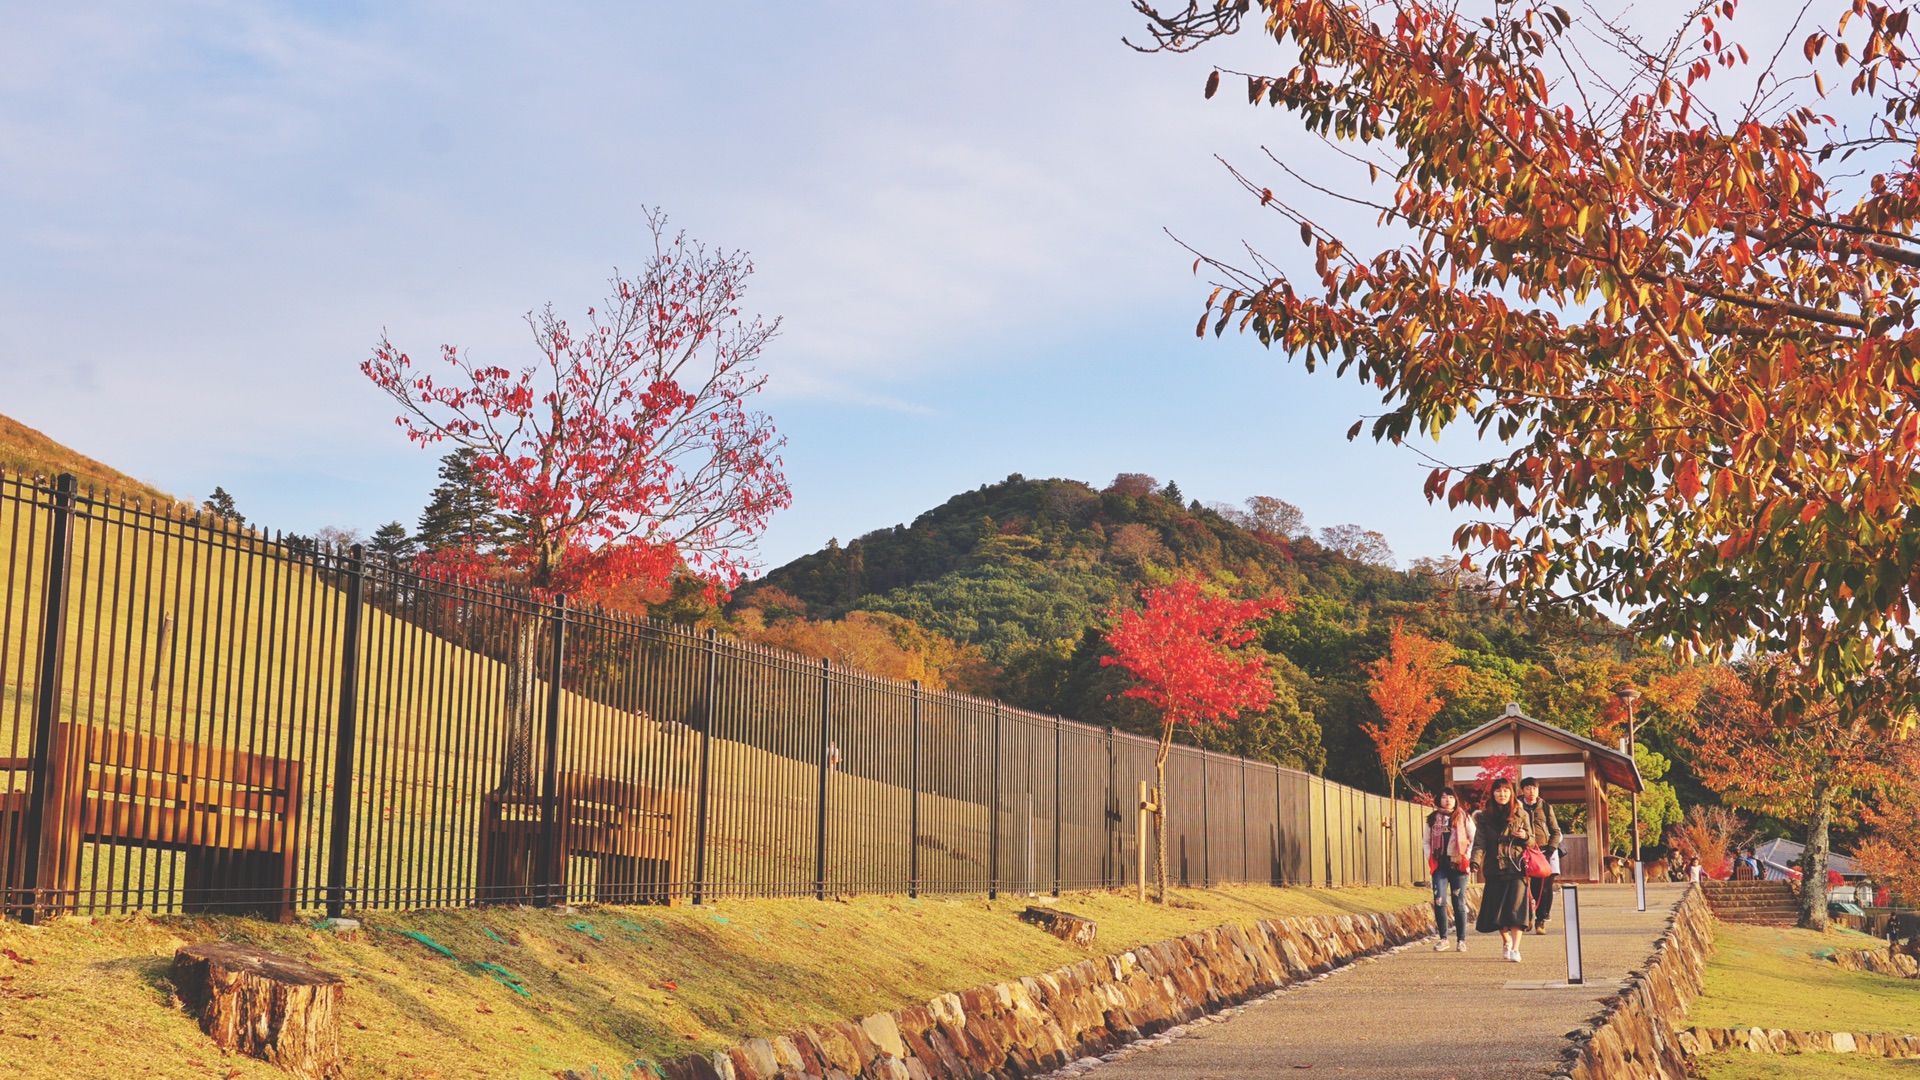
[820, 821]
[1112, 863]
[1280, 866]
[1057, 737]
[1206, 823]
[552, 858]
[913, 825]
[706, 767]
[993, 814]
[46, 713]
[346, 736]
[1245, 874]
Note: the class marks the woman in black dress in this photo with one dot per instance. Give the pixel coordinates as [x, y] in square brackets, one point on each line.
[1500, 851]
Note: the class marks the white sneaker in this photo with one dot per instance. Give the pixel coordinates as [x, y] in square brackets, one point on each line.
[1506, 952]
[1440, 946]
[1515, 957]
[1462, 945]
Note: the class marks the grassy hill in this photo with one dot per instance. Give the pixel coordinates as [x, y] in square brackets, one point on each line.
[602, 991]
[28, 452]
[1026, 571]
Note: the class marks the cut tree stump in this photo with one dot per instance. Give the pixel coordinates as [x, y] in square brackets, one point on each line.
[264, 1005]
[1072, 929]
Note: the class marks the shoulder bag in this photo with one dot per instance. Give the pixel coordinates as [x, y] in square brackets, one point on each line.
[1537, 864]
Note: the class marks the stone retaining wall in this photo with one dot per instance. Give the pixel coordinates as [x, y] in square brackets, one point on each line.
[1701, 1040]
[1636, 1036]
[1878, 961]
[1034, 1025]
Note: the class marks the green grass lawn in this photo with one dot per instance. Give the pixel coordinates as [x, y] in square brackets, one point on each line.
[1772, 978]
[605, 987]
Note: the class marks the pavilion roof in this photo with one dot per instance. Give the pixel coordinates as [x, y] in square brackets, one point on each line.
[1614, 767]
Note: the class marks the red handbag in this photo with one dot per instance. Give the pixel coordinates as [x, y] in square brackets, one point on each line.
[1537, 864]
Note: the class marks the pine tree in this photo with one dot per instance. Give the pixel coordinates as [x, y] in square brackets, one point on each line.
[461, 512]
[391, 541]
[220, 505]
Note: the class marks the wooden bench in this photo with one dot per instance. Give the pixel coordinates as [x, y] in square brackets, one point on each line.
[235, 814]
[631, 832]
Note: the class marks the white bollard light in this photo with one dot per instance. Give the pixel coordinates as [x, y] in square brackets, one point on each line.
[1640, 883]
[1570, 915]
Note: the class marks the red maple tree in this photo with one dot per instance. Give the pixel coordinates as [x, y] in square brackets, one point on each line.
[1184, 646]
[1758, 742]
[626, 454]
[1405, 685]
[628, 450]
[1495, 767]
[1681, 306]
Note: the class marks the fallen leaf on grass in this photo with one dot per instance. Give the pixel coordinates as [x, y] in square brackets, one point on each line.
[15, 957]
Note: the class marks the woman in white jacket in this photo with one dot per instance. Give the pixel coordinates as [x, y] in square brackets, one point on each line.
[1449, 854]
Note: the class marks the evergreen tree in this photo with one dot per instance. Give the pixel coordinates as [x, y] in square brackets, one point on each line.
[220, 505]
[1172, 494]
[461, 512]
[391, 541]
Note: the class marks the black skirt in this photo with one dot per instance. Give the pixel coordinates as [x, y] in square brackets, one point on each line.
[1504, 905]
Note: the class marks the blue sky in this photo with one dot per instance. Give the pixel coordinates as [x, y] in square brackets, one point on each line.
[208, 213]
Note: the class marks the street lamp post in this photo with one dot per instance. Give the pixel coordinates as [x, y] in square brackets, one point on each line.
[1630, 694]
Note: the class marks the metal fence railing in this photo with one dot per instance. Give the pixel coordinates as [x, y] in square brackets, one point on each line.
[201, 717]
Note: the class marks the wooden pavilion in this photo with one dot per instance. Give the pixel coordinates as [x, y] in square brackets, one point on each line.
[1573, 771]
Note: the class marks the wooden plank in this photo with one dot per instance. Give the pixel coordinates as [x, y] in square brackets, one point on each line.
[193, 792]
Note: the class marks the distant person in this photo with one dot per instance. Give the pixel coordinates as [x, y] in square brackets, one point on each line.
[1694, 871]
[1449, 857]
[1545, 825]
[1676, 867]
[1500, 842]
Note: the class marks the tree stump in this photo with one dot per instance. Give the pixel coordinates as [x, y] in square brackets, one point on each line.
[1072, 929]
[264, 1005]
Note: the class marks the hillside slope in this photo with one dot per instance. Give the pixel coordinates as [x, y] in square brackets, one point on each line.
[28, 452]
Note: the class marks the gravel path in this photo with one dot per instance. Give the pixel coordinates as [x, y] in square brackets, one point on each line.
[1417, 1014]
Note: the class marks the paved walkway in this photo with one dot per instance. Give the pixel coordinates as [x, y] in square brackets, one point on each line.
[1424, 1015]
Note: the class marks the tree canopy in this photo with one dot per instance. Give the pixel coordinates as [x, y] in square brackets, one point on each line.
[1684, 307]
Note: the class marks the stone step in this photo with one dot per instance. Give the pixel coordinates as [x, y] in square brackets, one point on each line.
[1723, 890]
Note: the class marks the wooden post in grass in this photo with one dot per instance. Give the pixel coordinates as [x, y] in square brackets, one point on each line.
[1148, 807]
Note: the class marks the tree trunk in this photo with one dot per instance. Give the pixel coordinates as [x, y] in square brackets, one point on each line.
[1813, 861]
[522, 664]
[263, 1005]
[1390, 851]
[1160, 814]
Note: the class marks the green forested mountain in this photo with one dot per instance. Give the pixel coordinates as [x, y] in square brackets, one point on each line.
[1026, 570]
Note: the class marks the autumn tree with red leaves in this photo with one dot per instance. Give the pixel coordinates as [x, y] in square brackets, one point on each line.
[1405, 686]
[1677, 291]
[1756, 741]
[1185, 646]
[1890, 853]
[627, 452]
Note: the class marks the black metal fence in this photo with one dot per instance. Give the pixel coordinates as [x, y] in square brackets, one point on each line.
[201, 717]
